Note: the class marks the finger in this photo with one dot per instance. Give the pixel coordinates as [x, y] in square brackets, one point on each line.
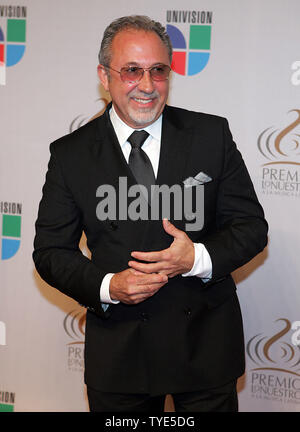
[148, 268]
[141, 278]
[151, 279]
[135, 271]
[143, 292]
[148, 256]
[171, 229]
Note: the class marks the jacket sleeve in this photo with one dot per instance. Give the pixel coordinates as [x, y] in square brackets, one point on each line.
[241, 227]
[57, 256]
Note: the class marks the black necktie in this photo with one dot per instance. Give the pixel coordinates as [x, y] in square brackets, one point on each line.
[139, 162]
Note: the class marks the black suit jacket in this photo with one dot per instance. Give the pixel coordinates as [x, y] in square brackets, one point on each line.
[189, 335]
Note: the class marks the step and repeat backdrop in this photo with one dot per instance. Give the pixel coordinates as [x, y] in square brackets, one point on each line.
[240, 60]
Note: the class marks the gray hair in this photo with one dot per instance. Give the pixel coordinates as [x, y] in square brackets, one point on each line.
[137, 22]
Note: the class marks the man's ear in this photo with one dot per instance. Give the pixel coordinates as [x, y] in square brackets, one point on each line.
[103, 76]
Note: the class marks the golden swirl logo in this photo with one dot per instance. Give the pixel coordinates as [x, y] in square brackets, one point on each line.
[276, 376]
[281, 144]
[74, 326]
[281, 147]
[269, 352]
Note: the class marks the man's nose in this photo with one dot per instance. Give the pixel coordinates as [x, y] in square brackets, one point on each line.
[146, 84]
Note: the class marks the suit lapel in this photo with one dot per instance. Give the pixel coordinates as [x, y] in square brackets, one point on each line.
[113, 161]
[174, 150]
[111, 164]
[171, 170]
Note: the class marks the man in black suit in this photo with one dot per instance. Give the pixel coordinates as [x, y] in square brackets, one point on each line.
[162, 312]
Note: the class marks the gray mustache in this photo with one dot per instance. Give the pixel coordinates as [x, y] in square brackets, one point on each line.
[144, 95]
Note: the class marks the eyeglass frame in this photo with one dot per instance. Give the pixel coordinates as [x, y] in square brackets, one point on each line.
[143, 69]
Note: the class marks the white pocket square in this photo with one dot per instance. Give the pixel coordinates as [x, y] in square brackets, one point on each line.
[199, 179]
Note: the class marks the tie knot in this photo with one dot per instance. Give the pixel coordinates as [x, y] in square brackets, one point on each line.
[137, 138]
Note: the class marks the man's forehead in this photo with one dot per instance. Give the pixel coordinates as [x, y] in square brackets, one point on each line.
[138, 42]
[126, 35]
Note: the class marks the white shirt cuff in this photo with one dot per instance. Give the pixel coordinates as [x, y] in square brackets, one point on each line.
[104, 290]
[202, 267]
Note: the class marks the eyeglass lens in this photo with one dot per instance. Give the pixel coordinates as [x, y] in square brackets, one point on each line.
[157, 73]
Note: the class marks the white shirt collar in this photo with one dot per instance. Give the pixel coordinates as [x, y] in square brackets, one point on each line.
[123, 131]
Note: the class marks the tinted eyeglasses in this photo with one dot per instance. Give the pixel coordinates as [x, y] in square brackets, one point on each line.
[133, 74]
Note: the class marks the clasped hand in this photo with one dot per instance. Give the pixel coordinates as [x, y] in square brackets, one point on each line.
[143, 280]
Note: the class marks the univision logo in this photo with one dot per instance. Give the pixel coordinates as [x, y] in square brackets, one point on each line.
[192, 42]
[12, 37]
[10, 229]
[7, 401]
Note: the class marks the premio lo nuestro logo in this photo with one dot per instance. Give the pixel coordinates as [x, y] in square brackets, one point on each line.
[276, 372]
[12, 37]
[190, 34]
[74, 326]
[280, 147]
[275, 352]
[10, 213]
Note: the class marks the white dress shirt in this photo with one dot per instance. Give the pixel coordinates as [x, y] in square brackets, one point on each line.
[202, 263]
